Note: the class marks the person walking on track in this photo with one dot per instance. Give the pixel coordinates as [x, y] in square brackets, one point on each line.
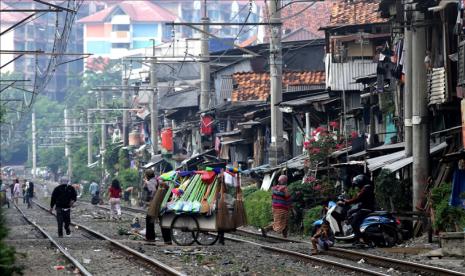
[281, 203]
[114, 193]
[16, 191]
[63, 198]
[29, 194]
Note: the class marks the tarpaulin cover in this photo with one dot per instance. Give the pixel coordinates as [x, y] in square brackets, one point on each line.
[457, 197]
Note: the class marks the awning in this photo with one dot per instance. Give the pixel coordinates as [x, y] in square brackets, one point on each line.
[229, 142]
[289, 106]
[229, 133]
[357, 155]
[157, 159]
[389, 147]
[442, 5]
[407, 161]
[381, 161]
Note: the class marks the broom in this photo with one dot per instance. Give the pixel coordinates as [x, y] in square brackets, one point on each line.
[223, 220]
[240, 218]
[205, 207]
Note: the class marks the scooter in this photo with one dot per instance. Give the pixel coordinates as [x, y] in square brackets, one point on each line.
[379, 228]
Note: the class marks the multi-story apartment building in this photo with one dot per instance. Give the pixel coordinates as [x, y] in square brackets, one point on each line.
[39, 34]
[127, 25]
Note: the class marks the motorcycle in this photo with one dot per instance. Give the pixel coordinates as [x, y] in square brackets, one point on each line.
[379, 228]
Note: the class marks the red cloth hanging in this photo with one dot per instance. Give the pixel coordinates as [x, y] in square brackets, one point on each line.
[206, 125]
[167, 139]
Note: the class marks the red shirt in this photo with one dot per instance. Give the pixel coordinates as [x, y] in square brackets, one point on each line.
[114, 193]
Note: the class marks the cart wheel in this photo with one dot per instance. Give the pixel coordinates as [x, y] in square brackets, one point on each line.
[184, 230]
[206, 238]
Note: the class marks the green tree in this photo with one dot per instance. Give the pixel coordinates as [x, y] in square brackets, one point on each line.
[123, 158]
[129, 178]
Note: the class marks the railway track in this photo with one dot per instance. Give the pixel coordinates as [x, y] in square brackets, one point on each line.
[85, 244]
[371, 259]
[335, 253]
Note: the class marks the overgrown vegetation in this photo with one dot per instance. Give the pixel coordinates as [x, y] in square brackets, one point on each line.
[446, 217]
[258, 208]
[128, 178]
[391, 193]
[311, 216]
[7, 253]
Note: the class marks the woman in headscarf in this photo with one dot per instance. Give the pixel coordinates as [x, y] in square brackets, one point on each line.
[281, 203]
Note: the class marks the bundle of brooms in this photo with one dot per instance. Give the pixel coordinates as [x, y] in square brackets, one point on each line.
[239, 215]
[224, 220]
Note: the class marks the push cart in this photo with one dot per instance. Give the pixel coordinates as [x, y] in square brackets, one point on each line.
[188, 227]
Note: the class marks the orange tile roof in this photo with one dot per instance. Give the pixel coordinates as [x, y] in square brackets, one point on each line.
[311, 19]
[300, 15]
[251, 86]
[358, 12]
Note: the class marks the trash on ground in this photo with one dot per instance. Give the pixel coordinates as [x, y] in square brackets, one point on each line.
[59, 267]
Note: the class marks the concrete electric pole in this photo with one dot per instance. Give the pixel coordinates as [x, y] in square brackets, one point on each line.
[125, 81]
[408, 88]
[103, 143]
[420, 131]
[205, 62]
[89, 138]
[67, 142]
[276, 150]
[154, 104]
[34, 145]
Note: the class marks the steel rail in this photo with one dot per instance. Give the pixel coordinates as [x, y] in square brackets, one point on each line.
[164, 267]
[310, 258]
[372, 259]
[75, 262]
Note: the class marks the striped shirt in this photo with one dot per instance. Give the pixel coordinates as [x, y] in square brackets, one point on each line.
[280, 198]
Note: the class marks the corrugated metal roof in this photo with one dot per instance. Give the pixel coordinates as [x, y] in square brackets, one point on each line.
[306, 100]
[341, 75]
[437, 86]
[180, 99]
[407, 161]
[400, 145]
[381, 161]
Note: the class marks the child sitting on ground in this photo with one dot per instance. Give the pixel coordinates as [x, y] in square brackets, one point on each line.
[323, 239]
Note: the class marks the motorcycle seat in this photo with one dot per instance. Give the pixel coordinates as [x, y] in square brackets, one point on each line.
[378, 213]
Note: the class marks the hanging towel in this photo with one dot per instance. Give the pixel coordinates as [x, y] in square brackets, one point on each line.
[230, 179]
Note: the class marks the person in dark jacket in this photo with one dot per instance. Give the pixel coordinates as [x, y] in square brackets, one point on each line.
[366, 203]
[63, 198]
[29, 194]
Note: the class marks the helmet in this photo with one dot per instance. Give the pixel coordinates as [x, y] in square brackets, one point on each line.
[360, 180]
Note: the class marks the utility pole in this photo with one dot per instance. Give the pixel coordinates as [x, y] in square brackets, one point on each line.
[154, 104]
[420, 131]
[276, 149]
[125, 80]
[67, 141]
[307, 125]
[104, 138]
[408, 88]
[34, 145]
[205, 62]
[89, 138]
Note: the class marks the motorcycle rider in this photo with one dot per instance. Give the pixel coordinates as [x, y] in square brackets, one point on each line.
[366, 204]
